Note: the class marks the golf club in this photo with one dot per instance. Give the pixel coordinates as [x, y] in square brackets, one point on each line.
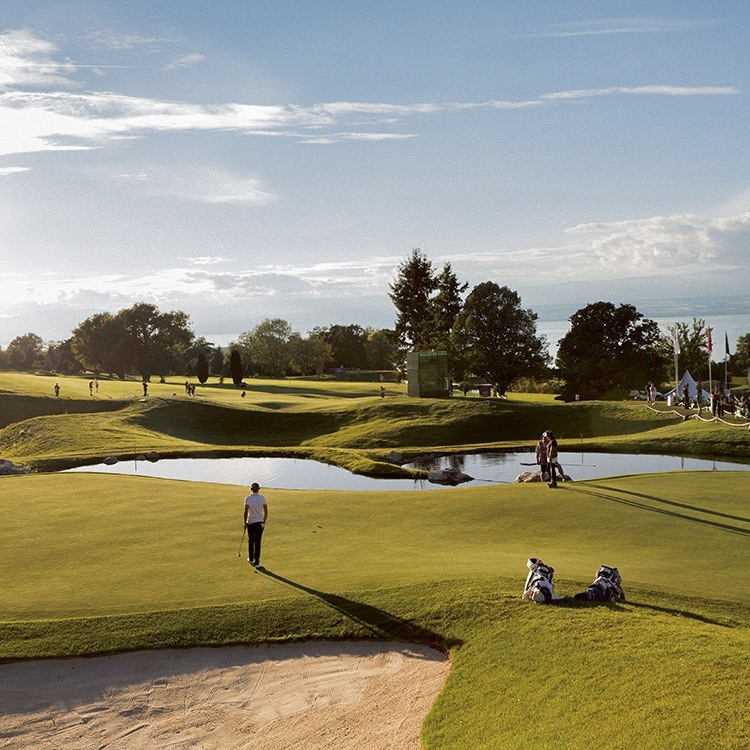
[239, 549]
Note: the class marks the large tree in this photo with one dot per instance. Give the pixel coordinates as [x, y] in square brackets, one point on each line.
[610, 347]
[267, 346]
[309, 356]
[411, 291]
[445, 306]
[497, 338]
[348, 344]
[155, 341]
[98, 343]
[25, 352]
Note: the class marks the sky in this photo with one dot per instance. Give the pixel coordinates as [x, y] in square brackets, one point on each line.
[243, 160]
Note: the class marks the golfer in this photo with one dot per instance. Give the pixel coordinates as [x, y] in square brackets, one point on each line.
[554, 464]
[541, 456]
[256, 513]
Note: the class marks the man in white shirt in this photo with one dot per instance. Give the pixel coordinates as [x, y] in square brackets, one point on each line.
[256, 513]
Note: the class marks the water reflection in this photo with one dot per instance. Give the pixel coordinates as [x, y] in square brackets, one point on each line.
[486, 468]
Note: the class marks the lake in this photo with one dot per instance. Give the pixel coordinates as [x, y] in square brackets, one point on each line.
[486, 468]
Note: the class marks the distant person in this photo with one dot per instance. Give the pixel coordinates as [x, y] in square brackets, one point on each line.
[699, 397]
[145, 388]
[242, 395]
[91, 387]
[686, 395]
[541, 457]
[256, 513]
[382, 391]
[552, 459]
[57, 389]
[650, 392]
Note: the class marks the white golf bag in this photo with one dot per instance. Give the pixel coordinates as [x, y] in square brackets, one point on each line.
[539, 582]
[606, 587]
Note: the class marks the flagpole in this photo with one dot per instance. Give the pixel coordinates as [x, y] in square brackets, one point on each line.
[710, 348]
[676, 344]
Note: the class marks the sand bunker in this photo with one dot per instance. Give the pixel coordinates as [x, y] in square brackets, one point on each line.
[361, 695]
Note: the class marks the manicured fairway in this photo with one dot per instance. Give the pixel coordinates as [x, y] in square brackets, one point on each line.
[93, 563]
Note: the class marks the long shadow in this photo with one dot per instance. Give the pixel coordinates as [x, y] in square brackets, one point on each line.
[377, 622]
[644, 506]
[677, 504]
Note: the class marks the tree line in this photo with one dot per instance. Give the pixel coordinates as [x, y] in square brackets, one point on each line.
[488, 334]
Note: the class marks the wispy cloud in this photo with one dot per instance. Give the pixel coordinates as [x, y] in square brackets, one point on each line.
[598, 27]
[54, 120]
[186, 61]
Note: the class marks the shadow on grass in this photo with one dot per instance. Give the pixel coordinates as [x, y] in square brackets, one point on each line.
[378, 623]
[610, 494]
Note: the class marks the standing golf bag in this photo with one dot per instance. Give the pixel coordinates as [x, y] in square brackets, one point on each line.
[539, 582]
[606, 587]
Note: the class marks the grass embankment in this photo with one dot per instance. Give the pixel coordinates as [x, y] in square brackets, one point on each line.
[94, 563]
[341, 423]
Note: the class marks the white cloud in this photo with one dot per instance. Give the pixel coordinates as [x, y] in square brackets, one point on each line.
[209, 185]
[33, 121]
[27, 60]
[186, 61]
[596, 27]
[12, 170]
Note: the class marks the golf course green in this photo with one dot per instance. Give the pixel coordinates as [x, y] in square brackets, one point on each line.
[93, 564]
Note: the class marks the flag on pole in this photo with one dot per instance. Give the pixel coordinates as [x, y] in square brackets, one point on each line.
[709, 346]
[726, 344]
[675, 341]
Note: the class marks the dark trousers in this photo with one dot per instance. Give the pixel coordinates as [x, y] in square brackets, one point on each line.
[254, 533]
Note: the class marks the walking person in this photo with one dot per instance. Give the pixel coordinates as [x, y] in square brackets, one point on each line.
[256, 513]
[552, 459]
[541, 457]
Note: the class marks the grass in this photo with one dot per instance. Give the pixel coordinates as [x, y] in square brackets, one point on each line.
[92, 563]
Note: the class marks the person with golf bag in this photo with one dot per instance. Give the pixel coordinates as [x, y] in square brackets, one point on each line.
[256, 513]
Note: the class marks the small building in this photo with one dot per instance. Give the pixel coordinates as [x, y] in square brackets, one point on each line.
[428, 374]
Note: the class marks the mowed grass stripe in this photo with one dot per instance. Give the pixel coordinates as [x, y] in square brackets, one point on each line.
[90, 544]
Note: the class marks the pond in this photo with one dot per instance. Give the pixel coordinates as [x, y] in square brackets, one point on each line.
[486, 468]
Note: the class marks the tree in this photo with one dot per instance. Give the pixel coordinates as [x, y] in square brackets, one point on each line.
[154, 340]
[610, 347]
[25, 352]
[693, 348]
[267, 346]
[382, 349]
[235, 367]
[201, 368]
[348, 344]
[98, 343]
[739, 361]
[497, 337]
[445, 307]
[216, 364]
[309, 356]
[410, 293]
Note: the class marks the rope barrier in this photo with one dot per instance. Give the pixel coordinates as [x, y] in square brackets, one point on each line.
[744, 425]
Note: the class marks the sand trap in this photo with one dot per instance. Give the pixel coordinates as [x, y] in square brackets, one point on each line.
[361, 695]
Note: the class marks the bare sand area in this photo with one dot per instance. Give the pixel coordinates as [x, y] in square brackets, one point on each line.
[354, 695]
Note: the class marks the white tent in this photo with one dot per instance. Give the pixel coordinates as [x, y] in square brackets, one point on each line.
[676, 393]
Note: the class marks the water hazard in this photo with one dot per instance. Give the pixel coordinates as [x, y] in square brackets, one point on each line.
[486, 468]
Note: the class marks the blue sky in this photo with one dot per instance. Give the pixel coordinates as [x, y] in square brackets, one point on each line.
[244, 160]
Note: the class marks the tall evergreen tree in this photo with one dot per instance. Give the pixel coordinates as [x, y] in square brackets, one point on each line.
[201, 368]
[411, 291]
[235, 367]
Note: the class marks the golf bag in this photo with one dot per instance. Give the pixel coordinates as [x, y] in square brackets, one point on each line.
[539, 582]
[606, 587]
